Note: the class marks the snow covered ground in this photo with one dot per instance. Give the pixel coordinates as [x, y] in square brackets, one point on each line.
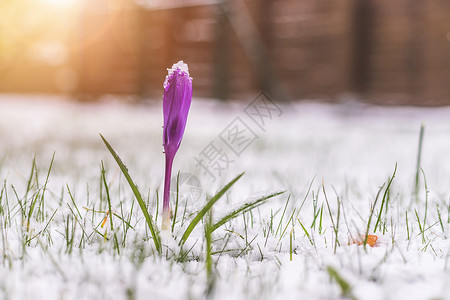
[298, 245]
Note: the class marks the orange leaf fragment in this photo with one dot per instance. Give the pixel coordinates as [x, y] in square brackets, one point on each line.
[371, 240]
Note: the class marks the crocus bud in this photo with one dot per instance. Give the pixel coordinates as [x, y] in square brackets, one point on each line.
[176, 102]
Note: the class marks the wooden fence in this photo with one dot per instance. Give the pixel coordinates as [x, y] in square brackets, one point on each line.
[387, 52]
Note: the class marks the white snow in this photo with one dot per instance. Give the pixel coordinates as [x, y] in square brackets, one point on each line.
[177, 67]
[351, 148]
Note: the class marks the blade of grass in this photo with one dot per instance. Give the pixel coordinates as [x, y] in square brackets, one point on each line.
[76, 219]
[335, 228]
[290, 244]
[43, 230]
[426, 198]
[282, 215]
[384, 198]
[73, 201]
[419, 156]
[245, 208]
[439, 217]
[422, 231]
[336, 241]
[206, 208]
[407, 225]
[287, 224]
[270, 228]
[306, 232]
[108, 197]
[346, 288]
[371, 215]
[41, 202]
[320, 220]
[208, 259]
[448, 211]
[30, 212]
[137, 194]
[316, 214]
[306, 196]
[33, 168]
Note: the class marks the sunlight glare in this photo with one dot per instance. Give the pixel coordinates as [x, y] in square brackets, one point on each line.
[60, 3]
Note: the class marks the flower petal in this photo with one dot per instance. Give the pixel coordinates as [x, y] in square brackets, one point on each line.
[176, 103]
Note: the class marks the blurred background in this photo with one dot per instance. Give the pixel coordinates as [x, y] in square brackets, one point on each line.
[384, 52]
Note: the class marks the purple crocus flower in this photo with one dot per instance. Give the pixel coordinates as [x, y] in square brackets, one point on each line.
[176, 103]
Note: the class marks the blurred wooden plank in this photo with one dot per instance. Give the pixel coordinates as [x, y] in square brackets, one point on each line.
[313, 49]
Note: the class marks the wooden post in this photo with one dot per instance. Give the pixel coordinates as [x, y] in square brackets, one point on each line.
[363, 21]
[222, 53]
[250, 38]
[142, 42]
[415, 46]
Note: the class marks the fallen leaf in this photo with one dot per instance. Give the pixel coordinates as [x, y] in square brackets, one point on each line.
[371, 240]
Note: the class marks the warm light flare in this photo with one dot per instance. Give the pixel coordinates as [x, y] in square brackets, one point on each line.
[60, 3]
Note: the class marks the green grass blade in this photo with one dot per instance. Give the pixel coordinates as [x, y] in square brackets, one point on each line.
[33, 168]
[206, 208]
[371, 215]
[418, 165]
[41, 202]
[384, 198]
[345, 286]
[73, 201]
[290, 244]
[282, 216]
[30, 212]
[208, 260]
[138, 196]
[306, 232]
[108, 197]
[320, 220]
[422, 230]
[287, 224]
[335, 226]
[245, 208]
[426, 198]
[439, 218]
